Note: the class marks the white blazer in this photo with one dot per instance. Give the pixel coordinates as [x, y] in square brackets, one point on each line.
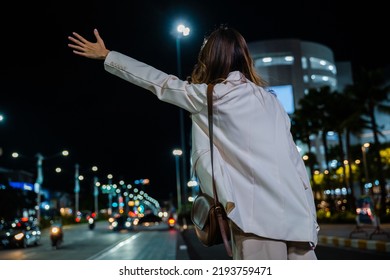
[256, 162]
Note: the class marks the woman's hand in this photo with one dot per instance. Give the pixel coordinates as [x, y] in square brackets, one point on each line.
[85, 48]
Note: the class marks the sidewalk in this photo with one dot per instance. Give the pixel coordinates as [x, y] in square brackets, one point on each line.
[349, 236]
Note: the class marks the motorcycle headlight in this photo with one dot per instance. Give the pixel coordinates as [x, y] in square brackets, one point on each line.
[55, 230]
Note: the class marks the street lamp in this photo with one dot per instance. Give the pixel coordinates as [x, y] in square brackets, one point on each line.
[109, 177]
[182, 31]
[38, 184]
[192, 184]
[126, 193]
[76, 188]
[177, 153]
[365, 146]
[39, 180]
[96, 185]
[1, 120]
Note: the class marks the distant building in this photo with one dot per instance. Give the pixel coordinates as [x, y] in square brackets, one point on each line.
[17, 197]
[292, 67]
[18, 179]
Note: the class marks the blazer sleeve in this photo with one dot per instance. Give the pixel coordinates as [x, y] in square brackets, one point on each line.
[168, 88]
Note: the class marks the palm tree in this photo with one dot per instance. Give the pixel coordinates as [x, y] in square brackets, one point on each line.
[303, 125]
[353, 123]
[346, 119]
[312, 111]
[370, 91]
[302, 129]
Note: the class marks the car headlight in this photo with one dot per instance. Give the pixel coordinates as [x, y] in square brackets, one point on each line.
[19, 236]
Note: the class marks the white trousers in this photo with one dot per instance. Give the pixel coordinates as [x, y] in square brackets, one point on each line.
[247, 246]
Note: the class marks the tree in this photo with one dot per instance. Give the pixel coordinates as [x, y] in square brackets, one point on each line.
[369, 90]
[303, 125]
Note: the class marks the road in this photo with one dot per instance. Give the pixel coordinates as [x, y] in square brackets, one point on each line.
[169, 251]
[80, 243]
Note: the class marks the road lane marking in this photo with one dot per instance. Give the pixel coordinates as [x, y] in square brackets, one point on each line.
[113, 248]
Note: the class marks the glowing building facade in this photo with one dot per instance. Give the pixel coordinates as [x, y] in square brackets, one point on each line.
[292, 67]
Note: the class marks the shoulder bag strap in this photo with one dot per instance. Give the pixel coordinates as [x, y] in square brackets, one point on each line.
[218, 206]
[210, 88]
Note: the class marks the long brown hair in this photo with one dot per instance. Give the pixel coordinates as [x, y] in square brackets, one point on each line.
[223, 51]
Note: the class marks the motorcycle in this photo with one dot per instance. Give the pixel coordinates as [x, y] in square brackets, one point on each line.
[171, 222]
[91, 223]
[56, 236]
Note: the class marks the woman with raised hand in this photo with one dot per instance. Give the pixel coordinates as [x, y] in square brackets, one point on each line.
[260, 176]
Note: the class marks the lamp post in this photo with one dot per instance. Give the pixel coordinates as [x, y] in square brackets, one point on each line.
[365, 146]
[177, 153]
[109, 211]
[192, 184]
[76, 188]
[95, 187]
[39, 179]
[126, 193]
[95, 190]
[38, 184]
[1, 120]
[182, 31]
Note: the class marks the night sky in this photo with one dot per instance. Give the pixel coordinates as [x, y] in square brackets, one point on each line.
[54, 100]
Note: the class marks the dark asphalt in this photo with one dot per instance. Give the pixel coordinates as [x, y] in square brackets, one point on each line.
[336, 243]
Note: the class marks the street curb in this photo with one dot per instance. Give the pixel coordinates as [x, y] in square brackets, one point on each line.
[181, 247]
[376, 245]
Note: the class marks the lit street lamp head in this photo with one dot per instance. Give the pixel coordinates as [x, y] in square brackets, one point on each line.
[177, 152]
[183, 30]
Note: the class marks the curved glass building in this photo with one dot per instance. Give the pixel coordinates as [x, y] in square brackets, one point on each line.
[292, 67]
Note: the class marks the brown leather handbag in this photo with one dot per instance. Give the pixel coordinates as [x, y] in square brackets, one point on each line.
[208, 214]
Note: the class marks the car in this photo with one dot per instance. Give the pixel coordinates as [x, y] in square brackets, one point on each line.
[121, 222]
[19, 233]
[150, 222]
